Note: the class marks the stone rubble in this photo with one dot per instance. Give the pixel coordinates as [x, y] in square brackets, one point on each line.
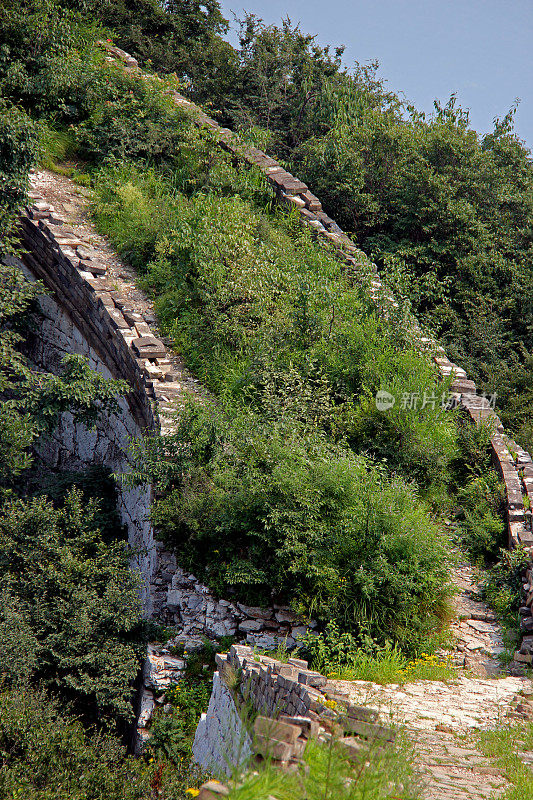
[181, 600]
[293, 704]
[477, 634]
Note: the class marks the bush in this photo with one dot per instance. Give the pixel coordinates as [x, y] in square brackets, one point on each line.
[503, 586]
[45, 754]
[95, 483]
[70, 601]
[272, 511]
[18, 146]
[261, 313]
[137, 120]
[326, 772]
[342, 656]
[49, 62]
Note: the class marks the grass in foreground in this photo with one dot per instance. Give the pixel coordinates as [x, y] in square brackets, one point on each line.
[326, 774]
[505, 745]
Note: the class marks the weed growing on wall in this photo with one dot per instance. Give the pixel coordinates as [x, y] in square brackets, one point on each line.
[298, 472]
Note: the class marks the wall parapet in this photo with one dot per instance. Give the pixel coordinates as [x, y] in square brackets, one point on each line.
[54, 254]
[513, 464]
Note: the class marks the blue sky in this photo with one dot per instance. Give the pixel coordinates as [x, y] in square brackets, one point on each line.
[480, 49]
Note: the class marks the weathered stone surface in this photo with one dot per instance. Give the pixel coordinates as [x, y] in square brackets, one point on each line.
[149, 347]
[251, 625]
[221, 739]
[277, 729]
[146, 709]
[255, 612]
[161, 670]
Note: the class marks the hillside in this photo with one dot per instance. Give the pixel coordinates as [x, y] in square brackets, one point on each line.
[282, 483]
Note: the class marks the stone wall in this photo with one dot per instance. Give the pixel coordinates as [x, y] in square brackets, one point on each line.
[186, 603]
[222, 740]
[513, 464]
[74, 446]
[289, 704]
[75, 319]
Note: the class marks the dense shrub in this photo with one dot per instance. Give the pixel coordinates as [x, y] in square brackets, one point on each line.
[18, 144]
[503, 589]
[482, 526]
[49, 64]
[478, 493]
[95, 483]
[75, 602]
[265, 316]
[44, 754]
[273, 511]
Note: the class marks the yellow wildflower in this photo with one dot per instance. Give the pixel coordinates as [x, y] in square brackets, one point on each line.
[193, 792]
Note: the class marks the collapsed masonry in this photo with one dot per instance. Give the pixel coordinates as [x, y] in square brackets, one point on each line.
[290, 703]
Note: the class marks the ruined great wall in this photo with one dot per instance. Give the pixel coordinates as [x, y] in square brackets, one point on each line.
[94, 308]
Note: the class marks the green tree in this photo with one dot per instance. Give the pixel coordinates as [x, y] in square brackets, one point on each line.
[46, 753]
[72, 600]
[184, 37]
[281, 75]
[448, 217]
[18, 145]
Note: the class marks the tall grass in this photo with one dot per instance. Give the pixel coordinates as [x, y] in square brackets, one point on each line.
[505, 745]
[326, 774]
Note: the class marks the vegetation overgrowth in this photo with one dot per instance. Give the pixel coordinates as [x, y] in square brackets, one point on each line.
[340, 656]
[294, 486]
[326, 772]
[288, 484]
[444, 212]
[509, 745]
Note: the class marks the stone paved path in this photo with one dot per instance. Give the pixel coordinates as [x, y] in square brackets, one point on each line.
[453, 769]
[478, 635]
[440, 718]
[462, 705]
[73, 203]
